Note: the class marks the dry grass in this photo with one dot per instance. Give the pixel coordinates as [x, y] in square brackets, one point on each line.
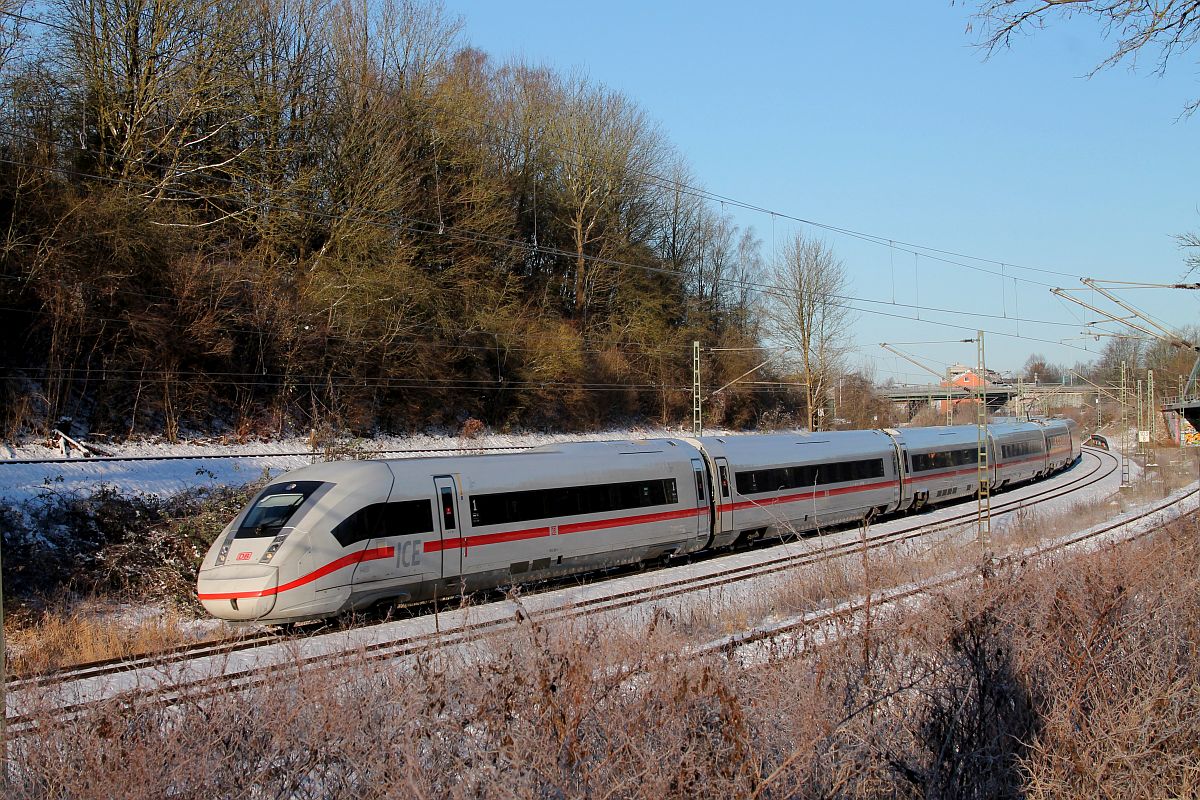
[1069, 678]
[75, 632]
[847, 577]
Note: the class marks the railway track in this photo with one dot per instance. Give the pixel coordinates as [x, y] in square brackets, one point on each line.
[772, 635]
[218, 666]
[238, 456]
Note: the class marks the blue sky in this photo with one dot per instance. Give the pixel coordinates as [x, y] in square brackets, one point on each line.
[882, 117]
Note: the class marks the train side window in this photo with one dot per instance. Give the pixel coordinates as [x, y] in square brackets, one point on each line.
[406, 517]
[779, 478]
[447, 508]
[570, 501]
[699, 486]
[380, 520]
[353, 528]
[724, 481]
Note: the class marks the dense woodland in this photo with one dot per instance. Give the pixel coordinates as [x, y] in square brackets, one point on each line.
[274, 215]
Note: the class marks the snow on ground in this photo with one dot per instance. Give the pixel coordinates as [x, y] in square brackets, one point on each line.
[21, 482]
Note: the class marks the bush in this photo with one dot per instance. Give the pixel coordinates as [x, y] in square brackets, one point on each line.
[123, 546]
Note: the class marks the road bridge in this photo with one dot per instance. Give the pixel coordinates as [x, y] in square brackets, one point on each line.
[1017, 399]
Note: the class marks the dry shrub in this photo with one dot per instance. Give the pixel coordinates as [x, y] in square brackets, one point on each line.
[471, 429]
[79, 632]
[1114, 646]
[1073, 676]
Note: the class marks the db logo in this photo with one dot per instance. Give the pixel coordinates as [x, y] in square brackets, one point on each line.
[243, 556]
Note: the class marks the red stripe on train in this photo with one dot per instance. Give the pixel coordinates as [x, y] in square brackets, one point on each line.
[332, 566]
[796, 498]
[571, 527]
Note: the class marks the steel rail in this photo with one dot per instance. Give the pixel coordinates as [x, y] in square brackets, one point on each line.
[894, 595]
[217, 456]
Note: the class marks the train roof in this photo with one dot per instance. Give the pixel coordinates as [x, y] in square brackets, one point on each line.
[1011, 429]
[785, 446]
[1057, 423]
[336, 471]
[945, 436]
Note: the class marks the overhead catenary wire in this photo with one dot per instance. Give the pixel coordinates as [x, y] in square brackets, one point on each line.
[530, 386]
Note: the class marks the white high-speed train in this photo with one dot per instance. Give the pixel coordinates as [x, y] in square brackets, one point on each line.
[335, 537]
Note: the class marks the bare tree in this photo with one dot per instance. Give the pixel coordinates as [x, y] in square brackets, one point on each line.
[11, 25]
[1165, 26]
[606, 146]
[679, 215]
[286, 80]
[1191, 243]
[1129, 350]
[1038, 370]
[806, 314]
[716, 261]
[156, 77]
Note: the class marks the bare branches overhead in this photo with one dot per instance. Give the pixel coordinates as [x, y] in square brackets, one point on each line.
[1162, 29]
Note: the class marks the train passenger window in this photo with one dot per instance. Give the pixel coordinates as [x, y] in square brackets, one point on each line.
[274, 507]
[724, 481]
[778, 479]
[447, 508]
[568, 501]
[699, 486]
[407, 517]
[380, 520]
[944, 459]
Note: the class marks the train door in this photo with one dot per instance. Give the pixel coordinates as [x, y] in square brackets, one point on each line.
[724, 503]
[449, 528]
[901, 477]
[703, 512]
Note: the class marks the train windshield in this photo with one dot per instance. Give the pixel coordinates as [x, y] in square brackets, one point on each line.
[274, 507]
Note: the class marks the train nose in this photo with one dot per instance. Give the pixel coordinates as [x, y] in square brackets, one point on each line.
[238, 592]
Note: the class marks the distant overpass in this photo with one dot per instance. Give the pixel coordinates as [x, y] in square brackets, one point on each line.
[1188, 407]
[998, 394]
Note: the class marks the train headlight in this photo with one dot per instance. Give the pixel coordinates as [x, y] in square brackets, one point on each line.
[224, 554]
[272, 549]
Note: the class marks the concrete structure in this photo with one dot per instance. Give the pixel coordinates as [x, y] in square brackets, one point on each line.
[1183, 420]
[1001, 397]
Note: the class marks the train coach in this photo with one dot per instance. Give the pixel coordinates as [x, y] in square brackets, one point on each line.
[331, 538]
